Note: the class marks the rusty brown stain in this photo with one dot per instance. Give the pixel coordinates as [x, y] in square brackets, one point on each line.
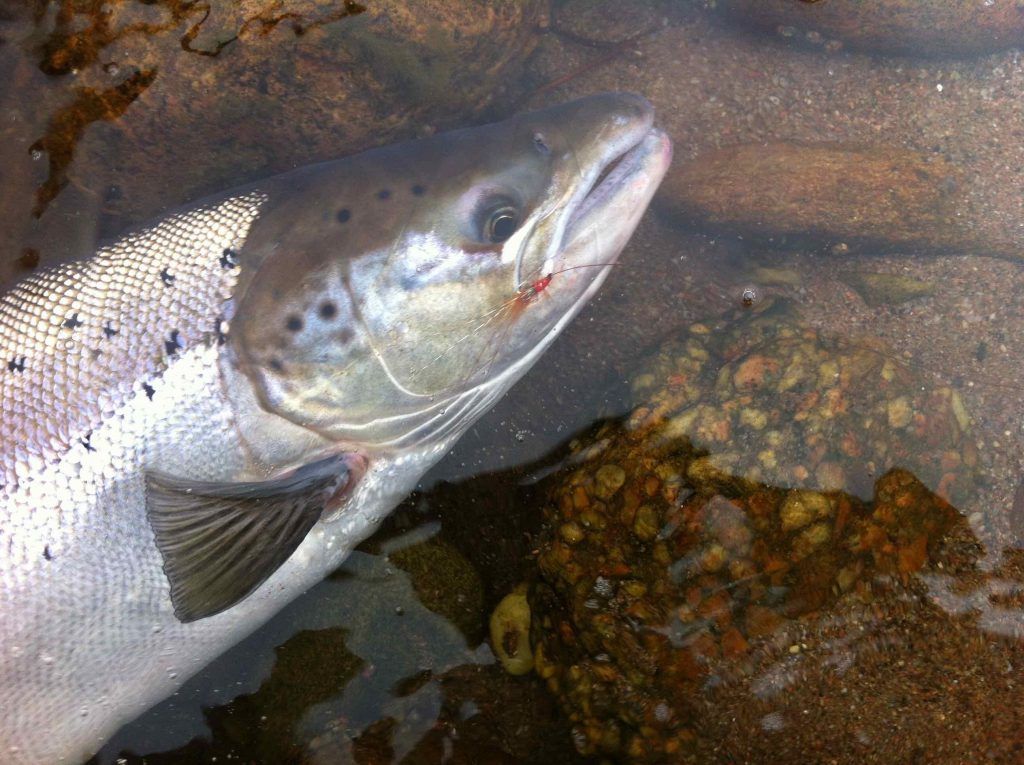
[69, 123]
[265, 22]
[82, 28]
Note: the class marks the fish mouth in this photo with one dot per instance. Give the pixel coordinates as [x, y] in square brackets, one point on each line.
[608, 212]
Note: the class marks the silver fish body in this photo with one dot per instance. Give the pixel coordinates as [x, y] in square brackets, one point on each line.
[200, 421]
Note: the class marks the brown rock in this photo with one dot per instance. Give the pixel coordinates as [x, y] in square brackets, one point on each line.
[912, 27]
[825, 194]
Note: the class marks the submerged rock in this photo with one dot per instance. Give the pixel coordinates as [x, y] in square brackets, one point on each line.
[510, 633]
[445, 582]
[911, 27]
[684, 580]
[766, 546]
[775, 401]
[888, 289]
[882, 197]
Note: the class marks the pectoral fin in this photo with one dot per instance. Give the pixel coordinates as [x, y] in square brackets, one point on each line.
[220, 541]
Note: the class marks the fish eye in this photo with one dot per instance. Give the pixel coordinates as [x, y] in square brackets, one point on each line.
[500, 223]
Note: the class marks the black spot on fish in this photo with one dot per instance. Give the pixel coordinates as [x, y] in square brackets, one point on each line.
[294, 323]
[149, 390]
[29, 258]
[166, 278]
[219, 330]
[384, 194]
[276, 365]
[72, 321]
[172, 345]
[418, 191]
[85, 442]
[228, 258]
[46, 552]
[343, 215]
[16, 365]
[328, 310]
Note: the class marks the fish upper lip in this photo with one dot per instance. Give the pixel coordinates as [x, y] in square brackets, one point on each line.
[615, 170]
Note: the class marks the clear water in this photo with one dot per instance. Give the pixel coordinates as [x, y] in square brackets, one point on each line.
[866, 234]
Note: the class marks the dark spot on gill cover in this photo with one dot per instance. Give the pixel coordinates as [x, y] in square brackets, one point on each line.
[46, 552]
[343, 215]
[328, 310]
[173, 344]
[72, 322]
[149, 390]
[384, 194]
[276, 365]
[294, 323]
[166, 277]
[16, 364]
[418, 190]
[108, 330]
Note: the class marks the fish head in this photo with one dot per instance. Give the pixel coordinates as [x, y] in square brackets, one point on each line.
[389, 298]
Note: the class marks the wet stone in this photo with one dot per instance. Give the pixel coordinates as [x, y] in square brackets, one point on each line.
[908, 27]
[888, 289]
[713, 575]
[510, 633]
[872, 198]
[776, 401]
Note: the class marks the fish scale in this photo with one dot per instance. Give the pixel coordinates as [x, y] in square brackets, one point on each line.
[76, 341]
[75, 547]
